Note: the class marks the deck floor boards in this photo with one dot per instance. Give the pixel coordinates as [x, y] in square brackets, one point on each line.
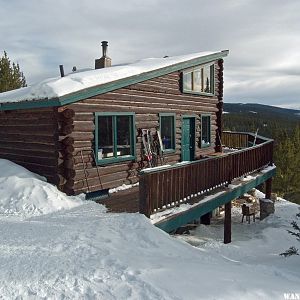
[122, 201]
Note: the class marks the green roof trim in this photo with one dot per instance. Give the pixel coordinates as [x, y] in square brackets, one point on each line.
[113, 85]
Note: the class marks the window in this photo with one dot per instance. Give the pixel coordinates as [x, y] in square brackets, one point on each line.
[167, 131]
[205, 131]
[114, 137]
[199, 80]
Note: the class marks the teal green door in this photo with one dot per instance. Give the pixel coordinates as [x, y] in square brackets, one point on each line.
[188, 139]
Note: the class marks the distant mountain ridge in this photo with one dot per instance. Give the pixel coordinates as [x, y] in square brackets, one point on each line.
[271, 121]
[261, 109]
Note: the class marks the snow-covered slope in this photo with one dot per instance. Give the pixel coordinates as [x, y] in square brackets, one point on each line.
[86, 253]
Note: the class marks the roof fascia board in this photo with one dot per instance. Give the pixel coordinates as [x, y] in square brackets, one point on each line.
[30, 104]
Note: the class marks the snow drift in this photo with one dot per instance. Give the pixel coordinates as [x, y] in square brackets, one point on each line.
[26, 194]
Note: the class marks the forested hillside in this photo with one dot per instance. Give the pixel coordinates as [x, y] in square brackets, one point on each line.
[283, 125]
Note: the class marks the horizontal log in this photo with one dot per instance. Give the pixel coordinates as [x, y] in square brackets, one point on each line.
[145, 86]
[69, 173]
[83, 144]
[47, 148]
[66, 129]
[64, 121]
[84, 116]
[41, 139]
[37, 168]
[67, 141]
[105, 170]
[44, 161]
[44, 130]
[97, 103]
[107, 185]
[84, 126]
[121, 98]
[66, 150]
[68, 191]
[165, 80]
[63, 156]
[69, 184]
[66, 112]
[146, 117]
[67, 164]
[62, 180]
[141, 109]
[82, 187]
[28, 152]
[33, 111]
[187, 97]
[9, 121]
[134, 96]
[82, 136]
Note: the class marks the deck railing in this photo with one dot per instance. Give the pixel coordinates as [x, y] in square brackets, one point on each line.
[170, 186]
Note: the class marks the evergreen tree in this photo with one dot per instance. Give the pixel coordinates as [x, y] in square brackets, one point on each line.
[10, 75]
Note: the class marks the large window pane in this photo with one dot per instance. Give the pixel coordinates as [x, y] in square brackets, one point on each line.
[167, 132]
[197, 80]
[187, 81]
[105, 137]
[123, 135]
[206, 79]
[205, 131]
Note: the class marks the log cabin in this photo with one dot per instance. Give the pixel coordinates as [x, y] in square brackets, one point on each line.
[89, 131]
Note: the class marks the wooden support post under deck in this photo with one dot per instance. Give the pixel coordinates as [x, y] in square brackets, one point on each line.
[268, 188]
[227, 223]
[144, 203]
[205, 219]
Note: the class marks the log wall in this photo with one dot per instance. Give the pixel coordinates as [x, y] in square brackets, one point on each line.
[147, 99]
[30, 139]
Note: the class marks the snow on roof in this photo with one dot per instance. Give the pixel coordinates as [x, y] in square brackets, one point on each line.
[57, 87]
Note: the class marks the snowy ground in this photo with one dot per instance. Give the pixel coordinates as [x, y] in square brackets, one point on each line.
[75, 250]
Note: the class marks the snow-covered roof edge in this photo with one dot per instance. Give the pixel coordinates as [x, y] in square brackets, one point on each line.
[78, 86]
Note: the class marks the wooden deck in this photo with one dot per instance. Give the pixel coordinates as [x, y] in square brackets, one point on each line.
[122, 201]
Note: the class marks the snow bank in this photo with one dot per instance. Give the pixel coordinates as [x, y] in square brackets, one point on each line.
[73, 82]
[26, 194]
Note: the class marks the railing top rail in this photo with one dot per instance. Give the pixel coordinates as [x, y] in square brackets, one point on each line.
[189, 163]
[251, 134]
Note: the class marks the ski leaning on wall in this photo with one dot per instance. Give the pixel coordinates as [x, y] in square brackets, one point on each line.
[152, 147]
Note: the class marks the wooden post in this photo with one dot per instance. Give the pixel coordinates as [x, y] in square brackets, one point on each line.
[227, 223]
[268, 188]
[205, 219]
[144, 196]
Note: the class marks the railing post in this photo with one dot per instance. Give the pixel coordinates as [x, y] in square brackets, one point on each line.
[144, 195]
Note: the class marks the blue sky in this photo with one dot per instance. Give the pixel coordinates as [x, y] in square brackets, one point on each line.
[263, 37]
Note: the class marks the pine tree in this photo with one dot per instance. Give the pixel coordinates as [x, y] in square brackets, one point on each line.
[10, 75]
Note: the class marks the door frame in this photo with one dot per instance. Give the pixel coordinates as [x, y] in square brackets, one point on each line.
[193, 130]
